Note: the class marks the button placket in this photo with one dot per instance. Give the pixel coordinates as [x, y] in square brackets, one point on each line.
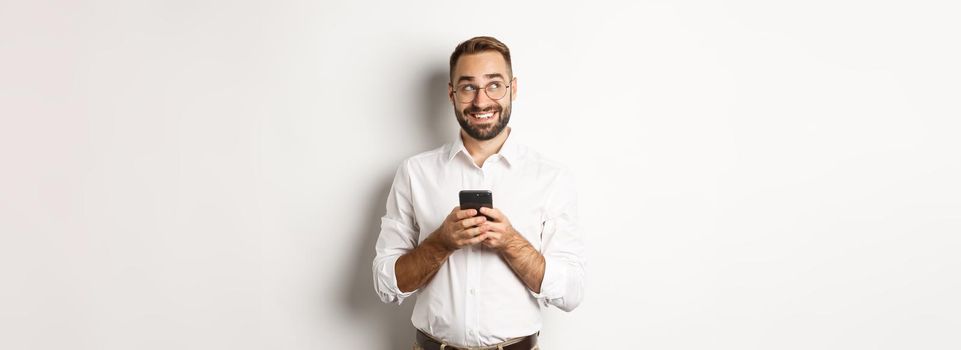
[470, 308]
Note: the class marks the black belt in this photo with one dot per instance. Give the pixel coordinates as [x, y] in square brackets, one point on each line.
[428, 343]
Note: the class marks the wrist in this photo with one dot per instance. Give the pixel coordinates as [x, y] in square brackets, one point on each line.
[513, 244]
[436, 244]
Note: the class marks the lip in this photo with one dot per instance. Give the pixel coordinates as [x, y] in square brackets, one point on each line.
[473, 116]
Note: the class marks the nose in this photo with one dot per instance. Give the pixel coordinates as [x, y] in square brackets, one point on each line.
[481, 98]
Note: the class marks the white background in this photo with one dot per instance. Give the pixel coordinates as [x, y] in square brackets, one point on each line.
[211, 174]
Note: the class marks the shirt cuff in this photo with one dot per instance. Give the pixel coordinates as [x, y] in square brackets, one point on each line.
[554, 284]
[387, 279]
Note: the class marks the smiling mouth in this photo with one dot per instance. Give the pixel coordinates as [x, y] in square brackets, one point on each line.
[483, 116]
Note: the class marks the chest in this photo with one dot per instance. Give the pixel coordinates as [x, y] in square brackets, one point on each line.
[517, 192]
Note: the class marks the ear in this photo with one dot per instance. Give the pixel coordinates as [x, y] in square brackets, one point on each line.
[513, 89]
[450, 92]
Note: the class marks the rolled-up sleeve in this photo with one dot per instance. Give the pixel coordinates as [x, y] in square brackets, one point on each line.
[563, 249]
[398, 235]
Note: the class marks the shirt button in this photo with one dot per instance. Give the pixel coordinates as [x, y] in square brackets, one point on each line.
[470, 332]
[473, 291]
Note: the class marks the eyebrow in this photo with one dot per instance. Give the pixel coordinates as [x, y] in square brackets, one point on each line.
[488, 76]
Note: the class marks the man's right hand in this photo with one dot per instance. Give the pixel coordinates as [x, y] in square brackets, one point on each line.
[461, 228]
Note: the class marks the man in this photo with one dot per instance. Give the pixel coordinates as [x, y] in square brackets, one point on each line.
[481, 277]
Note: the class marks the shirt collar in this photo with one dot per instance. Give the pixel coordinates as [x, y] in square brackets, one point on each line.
[510, 150]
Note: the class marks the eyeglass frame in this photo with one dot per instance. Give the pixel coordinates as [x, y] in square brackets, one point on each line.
[508, 86]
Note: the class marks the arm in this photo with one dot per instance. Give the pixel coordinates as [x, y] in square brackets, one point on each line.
[555, 275]
[527, 262]
[401, 266]
[563, 249]
[418, 266]
[398, 235]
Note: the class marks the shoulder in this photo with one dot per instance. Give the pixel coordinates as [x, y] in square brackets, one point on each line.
[544, 165]
[556, 178]
[425, 159]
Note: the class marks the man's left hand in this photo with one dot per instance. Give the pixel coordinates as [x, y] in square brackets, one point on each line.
[500, 233]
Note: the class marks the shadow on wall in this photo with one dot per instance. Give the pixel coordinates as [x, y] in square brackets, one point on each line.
[440, 124]
[391, 322]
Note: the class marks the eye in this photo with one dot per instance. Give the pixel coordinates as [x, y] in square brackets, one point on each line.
[494, 86]
[468, 88]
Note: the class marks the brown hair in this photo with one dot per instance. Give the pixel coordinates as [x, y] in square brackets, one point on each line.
[480, 44]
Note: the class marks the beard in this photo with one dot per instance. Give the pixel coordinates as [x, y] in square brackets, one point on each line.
[483, 133]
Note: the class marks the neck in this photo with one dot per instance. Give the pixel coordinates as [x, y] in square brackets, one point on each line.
[480, 150]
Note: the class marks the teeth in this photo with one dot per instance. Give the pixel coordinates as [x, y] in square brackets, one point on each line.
[483, 116]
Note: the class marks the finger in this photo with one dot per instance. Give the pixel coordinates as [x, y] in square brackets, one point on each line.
[477, 230]
[463, 214]
[484, 228]
[468, 232]
[472, 221]
[489, 243]
[493, 226]
[478, 239]
[453, 213]
[493, 213]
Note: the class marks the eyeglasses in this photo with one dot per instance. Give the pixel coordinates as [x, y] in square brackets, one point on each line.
[495, 90]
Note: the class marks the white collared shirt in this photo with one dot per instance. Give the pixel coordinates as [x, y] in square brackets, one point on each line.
[475, 298]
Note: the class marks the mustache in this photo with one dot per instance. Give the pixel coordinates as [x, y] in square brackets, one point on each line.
[476, 109]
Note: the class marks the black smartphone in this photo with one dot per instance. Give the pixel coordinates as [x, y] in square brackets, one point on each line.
[475, 199]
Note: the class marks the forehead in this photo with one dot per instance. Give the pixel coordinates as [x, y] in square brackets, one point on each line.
[478, 64]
